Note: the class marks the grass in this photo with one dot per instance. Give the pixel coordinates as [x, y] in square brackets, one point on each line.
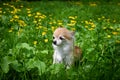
[26, 38]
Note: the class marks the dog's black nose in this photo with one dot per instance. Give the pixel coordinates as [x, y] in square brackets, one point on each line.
[54, 42]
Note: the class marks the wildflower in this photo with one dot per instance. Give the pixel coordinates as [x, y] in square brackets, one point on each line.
[29, 15]
[108, 36]
[103, 17]
[114, 33]
[86, 26]
[70, 24]
[53, 28]
[34, 21]
[118, 29]
[91, 29]
[73, 21]
[20, 30]
[114, 20]
[46, 40]
[0, 11]
[11, 20]
[28, 11]
[73, 29]
[117, 41]
[93, 25]
[35, 42]
[86, 22]
[21, 23]
[111, 27]
[10, 30]
[104, 27]
[99, 19]
[71, 17]
[43, 33]
[16, 17]
[38, 13]
[50, 22]
[93, 4]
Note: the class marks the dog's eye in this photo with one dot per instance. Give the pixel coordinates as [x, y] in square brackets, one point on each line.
[61, 38]
[53, 37]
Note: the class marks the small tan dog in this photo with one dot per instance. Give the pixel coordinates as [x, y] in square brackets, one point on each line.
[64, 50]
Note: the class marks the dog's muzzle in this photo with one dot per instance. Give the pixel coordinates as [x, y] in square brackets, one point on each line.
[55, 42]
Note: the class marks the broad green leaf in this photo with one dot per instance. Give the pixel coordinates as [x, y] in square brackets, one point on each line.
[24, 45]
[35, 63]
[5, 63]
[44, 51]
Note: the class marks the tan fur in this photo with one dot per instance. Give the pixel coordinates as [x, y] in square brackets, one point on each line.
[65, 51]
[64, 32]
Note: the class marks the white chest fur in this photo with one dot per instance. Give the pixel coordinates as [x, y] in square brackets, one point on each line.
[63, 54]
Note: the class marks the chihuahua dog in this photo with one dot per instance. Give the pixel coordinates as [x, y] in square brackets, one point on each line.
[64, 50]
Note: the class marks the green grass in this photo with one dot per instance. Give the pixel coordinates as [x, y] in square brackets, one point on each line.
[26, 36]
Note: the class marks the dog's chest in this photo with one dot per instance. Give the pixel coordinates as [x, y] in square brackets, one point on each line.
[64, 50]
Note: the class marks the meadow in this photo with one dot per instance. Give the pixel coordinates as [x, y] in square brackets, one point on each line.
[26, 30]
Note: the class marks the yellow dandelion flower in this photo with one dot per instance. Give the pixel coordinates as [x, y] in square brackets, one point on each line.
[16, 16]
[114, 20]
[93, 4]
[114, 33]
[0, 11]
[93, 25]
[43, 33]
[71, 17]
[10, 30]
[111, 27]
[11, 20]
[118, 29]
[50, 22]
[104, 27]
[99, 19]
[36, 16]
[117, 41]
[103, 17]
[53, 28]
[38, 13]
[46, 40]
[86, 22]
[91, 29]
[71, 24]
[108, 36]
[73, 21]
[34, 21]
[20, 30]
[34, 42]
[73, 29]
[21, 23]
[86, 26]
[29, 15]
[60, 23]
[28, 11]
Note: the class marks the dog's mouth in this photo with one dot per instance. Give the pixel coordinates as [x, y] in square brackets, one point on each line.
[55, 42]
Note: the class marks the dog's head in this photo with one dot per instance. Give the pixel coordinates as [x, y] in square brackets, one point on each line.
[62, 36]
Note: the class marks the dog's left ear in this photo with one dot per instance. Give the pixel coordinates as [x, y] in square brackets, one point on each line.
[72, 33]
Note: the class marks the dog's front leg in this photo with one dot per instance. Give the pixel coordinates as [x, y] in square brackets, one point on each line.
[57, 58]
[68, 61]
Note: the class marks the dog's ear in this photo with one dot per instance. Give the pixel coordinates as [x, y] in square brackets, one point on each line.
[72, 33]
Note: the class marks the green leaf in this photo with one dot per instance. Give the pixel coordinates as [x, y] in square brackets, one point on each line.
[55, 68]
[5, 63]
[44, 51]
[24, 45]
[35, 63]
